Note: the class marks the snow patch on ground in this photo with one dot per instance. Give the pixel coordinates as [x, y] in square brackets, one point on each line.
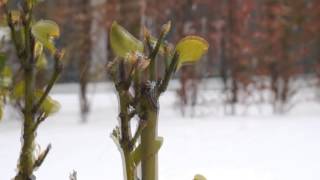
[247, 147]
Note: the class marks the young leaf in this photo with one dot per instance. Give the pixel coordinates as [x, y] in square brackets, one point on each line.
[136, 155]
[1, 111]
[49, 105]
[199, 177]
[15, 16]
[31, 3]
[38, 49]
[191, 49]
[18, 91]
[166, 28]
[5, 76]
[156, 146]
[122, 42]
[2, 61]
[42, 62]
[45, 31]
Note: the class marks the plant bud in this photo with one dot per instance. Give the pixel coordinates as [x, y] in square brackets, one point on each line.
[166, 28]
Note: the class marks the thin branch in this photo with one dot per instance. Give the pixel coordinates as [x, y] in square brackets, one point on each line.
[54, 77]
[13, 31]
[152, 57]
[169, 72]
[147, 38]
[41, 157]
[137, 134]
[39, 120]
[132, 114]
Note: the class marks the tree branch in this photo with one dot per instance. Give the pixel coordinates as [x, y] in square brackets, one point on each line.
[137, 134]
[39, 120]
[172, 68]
[54, 77]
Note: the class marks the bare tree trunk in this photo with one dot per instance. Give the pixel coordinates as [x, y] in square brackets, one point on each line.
[84, 54]
[132, 15]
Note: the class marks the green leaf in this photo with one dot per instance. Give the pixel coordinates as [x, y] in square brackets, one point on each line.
[199, 177]
[38, 49]
[191, 49]
[1, 111]
[45, 31]
[136, 155]
[42, 62]
[157, 145]
[6, 72]
[49, 105]
[6, 76]
[15, 16]
[31, 3]
[2, 61]
[122, 42]
[18, 91]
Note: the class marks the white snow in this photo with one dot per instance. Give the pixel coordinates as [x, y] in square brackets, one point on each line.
[245, 147]
[4, 33]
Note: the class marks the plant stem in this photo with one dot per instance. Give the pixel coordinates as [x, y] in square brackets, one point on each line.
[26, 159]
[149, 164]
[126, 135]
[52, 81]
[129, 169]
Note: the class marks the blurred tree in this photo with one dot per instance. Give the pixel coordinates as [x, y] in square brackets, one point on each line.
[131, 15]
[82, 53]
[85, 38]
[282, 48]
[237, 49]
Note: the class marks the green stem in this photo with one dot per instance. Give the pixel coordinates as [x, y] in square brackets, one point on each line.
[52, 81]
[169, 72]
[26, 160]
[126, 135]
[129, 169]
[149, 164]
[152, 57]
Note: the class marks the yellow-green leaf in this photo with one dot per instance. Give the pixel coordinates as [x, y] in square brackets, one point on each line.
[122, 42]
[18, 91]
[45, 31]
[199, 177]
[49, 105]
[156, 146]
[191, 49]
[136, 155]
[2, 61]
[1, 111]
[15, 16]
[5, 76]
[38, 49]
[42, 62]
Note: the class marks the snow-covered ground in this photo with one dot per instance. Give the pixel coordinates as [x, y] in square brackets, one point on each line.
[248, 147]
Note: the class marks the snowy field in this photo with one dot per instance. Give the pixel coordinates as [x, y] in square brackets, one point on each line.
[247, 147]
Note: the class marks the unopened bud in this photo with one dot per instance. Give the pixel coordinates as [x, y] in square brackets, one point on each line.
[146, 33]
[143, 64]
[166, 28]
[59, 54]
